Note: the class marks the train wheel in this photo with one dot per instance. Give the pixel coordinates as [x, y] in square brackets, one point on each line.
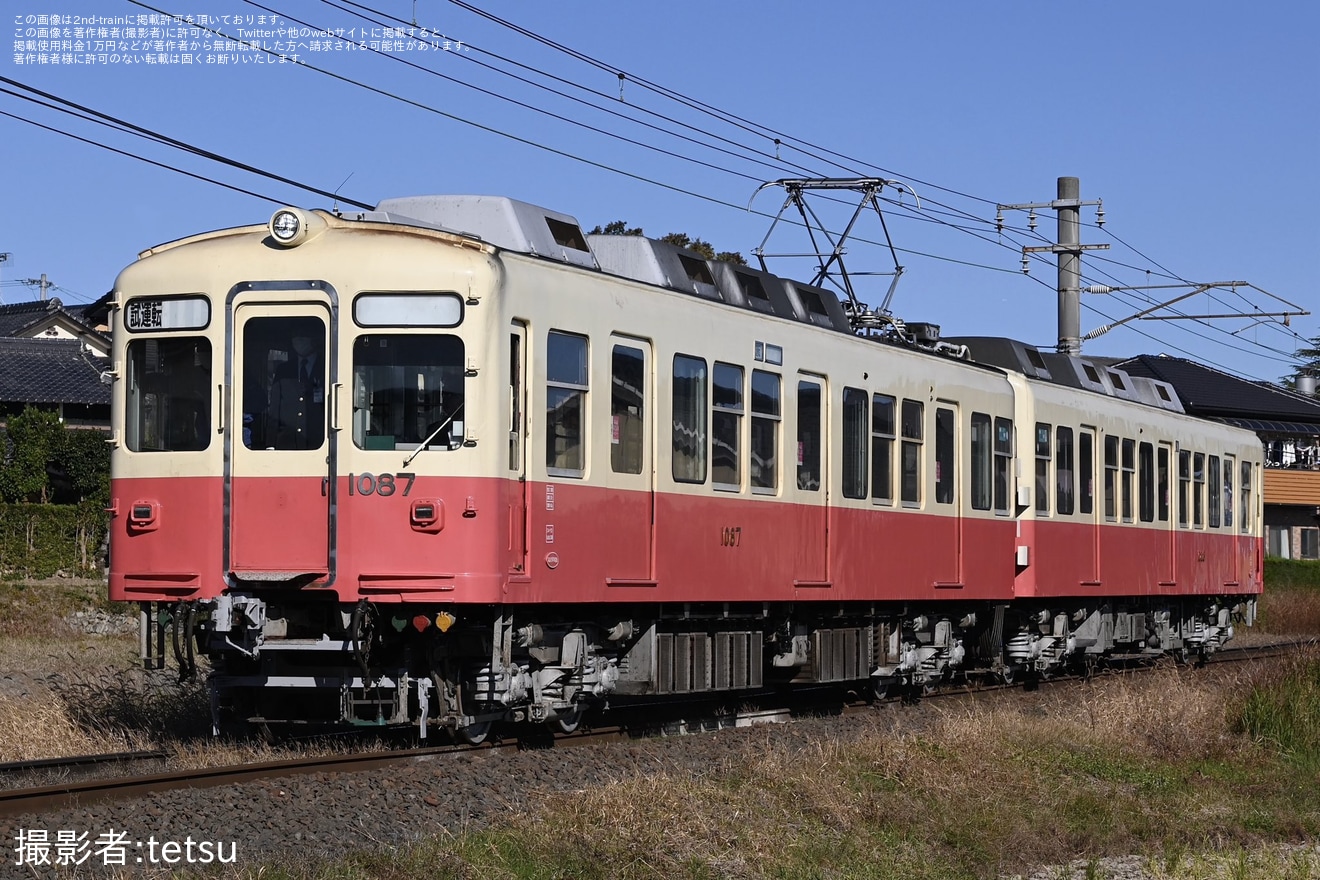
[475, 733]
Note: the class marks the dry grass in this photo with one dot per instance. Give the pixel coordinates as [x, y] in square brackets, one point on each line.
[31, 729]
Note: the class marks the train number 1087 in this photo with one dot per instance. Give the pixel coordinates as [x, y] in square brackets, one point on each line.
[380, 484]
[730, 536]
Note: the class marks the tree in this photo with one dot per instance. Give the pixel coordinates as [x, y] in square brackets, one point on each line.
[1312, 366]
[681, 239]
[33, 436]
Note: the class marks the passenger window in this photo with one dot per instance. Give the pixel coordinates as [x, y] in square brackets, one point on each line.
[689, 419]
[1198, 489]
[913, 412]
[1003, 463]
[1086, 471]
[1042, 468]
[944, 456]
[808, 436]
[1214, 506]
[627, 408]
[1184, 486]
[882, 449]
[726, 427]
[1064, 476]
[1146, 482]
[854, 443]
[565, 403]
[982, 459]
[764, 461]
[169, 395]
[1129, 475]
[1111, 478]
[1162, 492]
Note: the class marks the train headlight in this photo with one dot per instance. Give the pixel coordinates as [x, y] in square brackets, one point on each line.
[290, 227]
[285, 226]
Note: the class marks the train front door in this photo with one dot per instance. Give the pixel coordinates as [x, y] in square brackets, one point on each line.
[280, 448]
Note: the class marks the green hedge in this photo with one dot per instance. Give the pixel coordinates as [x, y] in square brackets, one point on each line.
[1294, 574]
[41, 540]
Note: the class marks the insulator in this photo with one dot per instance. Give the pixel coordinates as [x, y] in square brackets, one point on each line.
[1099, 212]
[999, 221]
[1031, 221]
[1099, 288]
[1026, 265]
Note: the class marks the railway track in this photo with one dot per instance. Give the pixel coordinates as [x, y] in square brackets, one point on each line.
[75, 793]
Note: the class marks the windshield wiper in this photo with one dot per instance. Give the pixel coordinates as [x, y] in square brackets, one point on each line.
[445, 424]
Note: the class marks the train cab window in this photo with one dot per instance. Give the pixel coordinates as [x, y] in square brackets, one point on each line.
[1246, 497]
[1111, 478]
[408, 391]
[1184, 487]
[1129, 473]
[284, 383]
[726, 427]
[854, 443]
[566, 386]
[808, 435]
[1198, 489]
[945, 478]
[1214, 504]
[882, 449]
[169, 394]
[913, 413]
[1086, 471]
[764, 453]
[1146, 482]
[627, 408]
[1003, 463]
[1064, 476]
[1042, 468]
[982, 459]
[1228, 491]
[689, 419]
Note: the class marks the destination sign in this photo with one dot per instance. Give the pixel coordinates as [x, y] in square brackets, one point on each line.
[174, 313]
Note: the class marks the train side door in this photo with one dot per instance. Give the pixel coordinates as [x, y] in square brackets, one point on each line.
[1088, 506]
[811, 568]
[1163, 478]
[279, 480]
[631, 475]
[947, 523]
[518, 489]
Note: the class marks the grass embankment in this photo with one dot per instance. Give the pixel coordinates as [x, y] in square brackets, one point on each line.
[1291, 603]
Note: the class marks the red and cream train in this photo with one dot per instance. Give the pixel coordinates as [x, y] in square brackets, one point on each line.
[452, 462]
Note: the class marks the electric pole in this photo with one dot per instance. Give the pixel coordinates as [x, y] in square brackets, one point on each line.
[1069, 248]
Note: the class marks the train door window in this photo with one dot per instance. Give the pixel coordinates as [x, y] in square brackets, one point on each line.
[1214, 504]
[565, 403]
[1129, 475]
[515, 402]
[1042, 468]
[882, 449]
[284, 389]
[764, 452]
[1229, 467]
[808, 435]
[1064, 477]
[1162, 483]
[169, 394]
[945, 457]
[627, 408]
[1246, 497]
[1086, 471]
[1184, 487]
[982, 459]
[726, 427]
[913, 413]
[689, 419]
[1111, 478]
[854, 443]
[1146, 482]
[1198, 489]
[1003, 463]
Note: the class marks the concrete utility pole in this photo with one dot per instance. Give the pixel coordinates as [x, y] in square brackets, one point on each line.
[41, 282]
[1069, 249]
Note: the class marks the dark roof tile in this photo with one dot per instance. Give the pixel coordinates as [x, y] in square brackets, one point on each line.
[50, 371]
[1205, 391]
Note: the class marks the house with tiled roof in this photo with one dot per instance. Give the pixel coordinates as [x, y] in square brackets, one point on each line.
[52, 357]
[1288, 425]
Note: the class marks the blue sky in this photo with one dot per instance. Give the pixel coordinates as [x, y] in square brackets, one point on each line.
[1196, 122]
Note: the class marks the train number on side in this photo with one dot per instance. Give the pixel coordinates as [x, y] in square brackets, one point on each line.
[380, 484]
[730, 536]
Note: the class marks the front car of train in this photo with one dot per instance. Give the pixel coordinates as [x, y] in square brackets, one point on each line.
[299, 487]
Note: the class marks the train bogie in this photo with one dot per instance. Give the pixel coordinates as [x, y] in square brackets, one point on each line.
[386, 473]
